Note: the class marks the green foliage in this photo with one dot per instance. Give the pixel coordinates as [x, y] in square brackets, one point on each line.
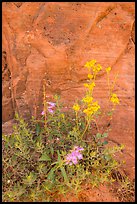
[35, 167]
[34, 161]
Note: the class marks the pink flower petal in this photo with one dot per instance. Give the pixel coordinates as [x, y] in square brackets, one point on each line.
[50, 110]
[51, 104]
[42, 113]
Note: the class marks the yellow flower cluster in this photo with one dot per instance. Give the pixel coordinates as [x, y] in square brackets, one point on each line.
[114, 99]
[91, 107]
[95, 68]
[90, 86]
[108, 69]
[87, 99]
[90, 76]
[94, 107]
[90, 63]
[76, 107]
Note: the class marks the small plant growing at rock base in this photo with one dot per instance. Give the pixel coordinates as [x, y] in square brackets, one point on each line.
[57, 154]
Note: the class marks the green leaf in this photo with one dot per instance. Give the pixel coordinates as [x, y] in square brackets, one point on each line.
[107, 157]
[64, 174]
[30, 179]
[59, 158]
[37, 129]
[47, 185]
[105, 134]
[52, 150]
[98, 135]
[44, 157]
[62, 168]
[105, 142]
[122, 146]
[51, 174]
[99, 143]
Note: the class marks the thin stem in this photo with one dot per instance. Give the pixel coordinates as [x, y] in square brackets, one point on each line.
[85, 129]
[77, 120]
[96, 124]
[45, 106]
[114, 83]
[108, 83]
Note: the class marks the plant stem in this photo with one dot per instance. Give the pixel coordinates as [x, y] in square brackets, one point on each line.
[77, 120]
[85, 129]
[45, 106]
[108, 84]
[96, 124]
[114, 82]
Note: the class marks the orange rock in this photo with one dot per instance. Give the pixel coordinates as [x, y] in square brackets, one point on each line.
[52, 41]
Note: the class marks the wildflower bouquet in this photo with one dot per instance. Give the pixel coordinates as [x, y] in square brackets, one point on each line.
[59, 153]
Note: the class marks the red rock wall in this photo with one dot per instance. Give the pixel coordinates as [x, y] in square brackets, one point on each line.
[52, 41]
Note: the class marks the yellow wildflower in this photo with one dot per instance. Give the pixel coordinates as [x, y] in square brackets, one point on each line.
[90, 86]
[114, 99]
[90, 76]
[90, 63]
[88, 111]
[108, 69]
[87, 99]
[97, 68]
[76, 107]
[86, 85]
[92, 109]
[95, 106]
[87, 65]
[62, 115]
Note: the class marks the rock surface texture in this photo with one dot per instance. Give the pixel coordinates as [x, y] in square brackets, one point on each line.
[50, 43]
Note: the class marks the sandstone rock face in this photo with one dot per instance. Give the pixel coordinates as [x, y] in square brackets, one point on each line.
[50, 43]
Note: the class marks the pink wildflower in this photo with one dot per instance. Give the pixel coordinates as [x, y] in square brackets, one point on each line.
[51, 104]
[74, 156]
[50, 110]
[42, 113]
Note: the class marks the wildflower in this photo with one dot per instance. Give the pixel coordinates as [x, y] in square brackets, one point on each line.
[71, 158]
[90, 76]
[74, 156]
[86, 85]
[90, 63]
[95, 106]
[87, 99]
[62, 116]
[42, 113]
[92, 109]
[51, 104]
[50, 107]
[108, 69]
[88, 111]
[90, 86]
[97, 68]
[78, 148]
[50, 110]
[114, 99]
[76, 107]
[56, 97]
